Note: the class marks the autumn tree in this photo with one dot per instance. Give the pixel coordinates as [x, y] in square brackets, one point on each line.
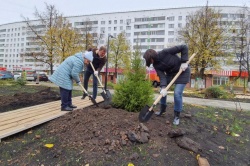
[68, 40]
[43, 33]
[119, 52]
[240, 40]
[206, 35]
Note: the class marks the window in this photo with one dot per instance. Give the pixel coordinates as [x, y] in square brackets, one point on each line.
[180, 18]
[115, 28]
[109, 28]
[220, 80]
[170, 32]
[179, 25]
[102, 22]
[102, 29]
[170, 25]
[128, 27]
[170, 18]
[115, 21]
[121, 28]
[121, 21]
[110, 22]
[128, 21]
[128, 34]
[170, 40]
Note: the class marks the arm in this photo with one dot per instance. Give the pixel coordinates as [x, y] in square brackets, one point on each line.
[104, 60]
[163, 78]
[183, 49]
[77, 68]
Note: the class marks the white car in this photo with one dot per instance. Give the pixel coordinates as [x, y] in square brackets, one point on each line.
[17, 76]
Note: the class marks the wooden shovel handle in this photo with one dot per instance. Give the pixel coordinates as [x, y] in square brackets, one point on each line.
[173, 80]
[84, 90]
[96, 76]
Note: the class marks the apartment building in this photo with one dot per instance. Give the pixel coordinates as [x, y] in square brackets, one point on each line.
[154, 29]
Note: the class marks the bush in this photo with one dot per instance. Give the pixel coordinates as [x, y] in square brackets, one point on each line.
[110, 85]
[217, 92]
[133, 92]
[21, 82]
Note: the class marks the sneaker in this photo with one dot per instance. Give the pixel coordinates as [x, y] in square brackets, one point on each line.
[159, 113]
[72, 106]
[176, 121]
[67, 109]
[84, 95]
[162, 110]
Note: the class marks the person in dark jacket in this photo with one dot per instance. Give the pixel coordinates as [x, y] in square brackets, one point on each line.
[98, 63]
[64, 75]
[167, 64]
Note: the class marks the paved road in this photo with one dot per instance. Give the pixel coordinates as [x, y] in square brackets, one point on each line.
[206, 102]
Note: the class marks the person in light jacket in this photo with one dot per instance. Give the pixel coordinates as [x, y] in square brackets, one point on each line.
[64, 75]
[167, 64]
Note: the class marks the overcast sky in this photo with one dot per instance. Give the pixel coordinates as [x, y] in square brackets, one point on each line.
[11, 10]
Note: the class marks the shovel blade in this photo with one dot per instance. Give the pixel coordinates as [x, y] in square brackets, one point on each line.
[93, 100]
[106, 95]
[145, 114]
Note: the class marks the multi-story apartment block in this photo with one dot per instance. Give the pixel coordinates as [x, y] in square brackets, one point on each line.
[154, 29]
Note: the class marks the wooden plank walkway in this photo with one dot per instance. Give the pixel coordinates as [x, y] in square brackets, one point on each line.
[18, 120]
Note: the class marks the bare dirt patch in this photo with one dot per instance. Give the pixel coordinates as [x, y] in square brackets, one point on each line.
[24, 99]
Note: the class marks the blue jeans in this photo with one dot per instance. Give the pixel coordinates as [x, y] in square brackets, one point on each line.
[66, 99]
[178, 91]
[87, 74]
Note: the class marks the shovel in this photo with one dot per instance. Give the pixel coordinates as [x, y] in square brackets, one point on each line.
[90, 97]
[147, 111]
[105, 93]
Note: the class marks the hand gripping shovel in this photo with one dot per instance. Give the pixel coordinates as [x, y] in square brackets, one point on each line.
[105, 93]
[90, 97]
[147, 111]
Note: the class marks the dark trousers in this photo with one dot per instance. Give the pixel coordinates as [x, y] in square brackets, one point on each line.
[66, 97]
[87, 74]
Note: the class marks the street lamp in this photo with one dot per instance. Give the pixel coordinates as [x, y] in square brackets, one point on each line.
[106, 76]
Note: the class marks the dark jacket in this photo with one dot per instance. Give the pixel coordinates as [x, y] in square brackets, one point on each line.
[167, 64]
[97, 62]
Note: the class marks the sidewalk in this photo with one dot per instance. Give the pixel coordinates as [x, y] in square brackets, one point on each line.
[188, 100]
[214, 103]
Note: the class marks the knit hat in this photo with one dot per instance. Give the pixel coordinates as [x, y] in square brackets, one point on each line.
[89, 55]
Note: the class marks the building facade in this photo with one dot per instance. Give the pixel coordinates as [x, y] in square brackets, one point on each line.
[154, 29]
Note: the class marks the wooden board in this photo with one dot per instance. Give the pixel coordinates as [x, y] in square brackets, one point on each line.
[19, 120]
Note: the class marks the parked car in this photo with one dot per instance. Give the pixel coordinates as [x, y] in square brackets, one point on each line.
[42, 77]
[6, 75]
[17, 75]
[31, 77]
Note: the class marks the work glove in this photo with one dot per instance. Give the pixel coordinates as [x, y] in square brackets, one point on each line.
[79, 83]
[184, 66]
[96, 73]
[163, 92]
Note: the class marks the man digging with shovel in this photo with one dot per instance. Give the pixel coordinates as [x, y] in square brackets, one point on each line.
[99, 60]
[167, 64]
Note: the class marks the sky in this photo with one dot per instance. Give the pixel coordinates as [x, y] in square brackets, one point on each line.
[12, 10]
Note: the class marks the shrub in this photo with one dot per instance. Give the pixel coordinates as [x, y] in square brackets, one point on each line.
[133, 92]
[110, 85]
[21, 82]
[217, 92]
